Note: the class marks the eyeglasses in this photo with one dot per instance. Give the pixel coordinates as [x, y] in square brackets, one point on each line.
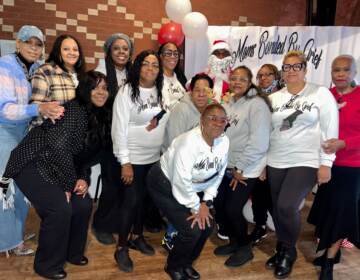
[265, 75]
[170, 53]
[148, 65]
[296, 67]
[222, 120]
[239, 79]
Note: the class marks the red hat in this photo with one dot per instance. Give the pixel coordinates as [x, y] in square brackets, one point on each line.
[219, 44]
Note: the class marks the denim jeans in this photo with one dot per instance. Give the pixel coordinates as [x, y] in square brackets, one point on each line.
[12, 220]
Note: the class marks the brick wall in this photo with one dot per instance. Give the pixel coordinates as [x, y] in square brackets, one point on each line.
[92, 21]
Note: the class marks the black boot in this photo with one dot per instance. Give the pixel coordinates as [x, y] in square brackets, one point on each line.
[274, 260]
[327, 269]
[227, 249]
[243, 255]
[176, 274]
[141, 245]
[287, 257]
[320, 260]
[123, 259]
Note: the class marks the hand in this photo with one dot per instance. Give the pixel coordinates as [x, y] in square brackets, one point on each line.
[237, 178]
[262, 176]
[81, 187]
[51, 110]
[68, 196]
[333, 145]
[127, 173]
[202, 218]
[324, 174]
[153, 124]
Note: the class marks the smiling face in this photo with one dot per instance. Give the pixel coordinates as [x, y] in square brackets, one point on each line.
[342, 73]
[100, 94]
[213, 123]
[265, 77]
[149, 71]
[69, 52]
[31, 49]
[293, 76]
[239, 82]
[169, 57]
[120, 53]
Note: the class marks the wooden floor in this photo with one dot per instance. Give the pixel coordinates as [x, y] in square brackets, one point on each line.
[102, 264]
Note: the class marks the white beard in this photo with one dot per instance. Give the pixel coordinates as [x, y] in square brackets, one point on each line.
[219, 68]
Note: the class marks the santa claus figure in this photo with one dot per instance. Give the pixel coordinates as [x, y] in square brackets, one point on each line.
[219, 68]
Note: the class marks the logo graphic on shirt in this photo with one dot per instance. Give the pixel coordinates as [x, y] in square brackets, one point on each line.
[150, 103]
[174, 90]
[287, 123]
[206, 164]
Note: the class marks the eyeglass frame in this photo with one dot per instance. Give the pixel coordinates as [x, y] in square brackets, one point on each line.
[170, 53]
[292, 66]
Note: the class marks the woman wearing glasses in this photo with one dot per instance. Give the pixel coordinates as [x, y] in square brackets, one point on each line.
[304, 116]
[268, 78]
[174, 77]
[195, 162]
[335, 210]
[137, 135]
[248, 131]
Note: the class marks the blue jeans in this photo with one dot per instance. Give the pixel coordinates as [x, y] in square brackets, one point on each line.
[12, 221]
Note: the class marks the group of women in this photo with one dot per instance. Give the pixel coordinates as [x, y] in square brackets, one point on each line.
[161, 146]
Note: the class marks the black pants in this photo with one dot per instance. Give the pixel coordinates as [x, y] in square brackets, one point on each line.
[235, 224]
[63, 227]
[261, 202]
[189, 242]
[132, 207]
[289, 186]
[108, 212]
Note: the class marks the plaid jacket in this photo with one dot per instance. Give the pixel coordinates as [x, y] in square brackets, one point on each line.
[51, 83]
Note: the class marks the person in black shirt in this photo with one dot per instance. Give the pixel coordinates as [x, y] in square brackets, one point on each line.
[50, 167]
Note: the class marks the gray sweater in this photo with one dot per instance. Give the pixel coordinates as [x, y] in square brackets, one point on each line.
[183, 117]
[249, 132]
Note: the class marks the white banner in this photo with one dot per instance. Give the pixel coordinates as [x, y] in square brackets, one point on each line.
[254, 46]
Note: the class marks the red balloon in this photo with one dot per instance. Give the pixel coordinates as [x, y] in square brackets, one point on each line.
[171, 32]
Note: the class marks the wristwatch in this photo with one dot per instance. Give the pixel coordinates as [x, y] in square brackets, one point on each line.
[238, 170]
[209, 203]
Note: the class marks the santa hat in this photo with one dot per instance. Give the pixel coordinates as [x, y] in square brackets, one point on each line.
[219, 44]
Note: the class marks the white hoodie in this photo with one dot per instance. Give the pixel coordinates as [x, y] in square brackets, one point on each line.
[192, 166]
[131, 141]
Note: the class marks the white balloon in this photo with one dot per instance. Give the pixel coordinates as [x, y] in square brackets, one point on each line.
[195, 25]
[176, 10]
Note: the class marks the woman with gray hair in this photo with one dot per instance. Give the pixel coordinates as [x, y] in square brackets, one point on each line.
[118, 50]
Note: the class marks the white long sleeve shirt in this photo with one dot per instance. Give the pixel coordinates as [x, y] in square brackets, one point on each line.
[172, 92]
[300, 124]
[192, 166]
[132, 143]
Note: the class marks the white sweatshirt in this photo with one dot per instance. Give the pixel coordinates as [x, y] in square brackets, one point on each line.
[120, 74]
[192, 166]
[249, 133]
[300, 123]
[172, 92]
[131, 141]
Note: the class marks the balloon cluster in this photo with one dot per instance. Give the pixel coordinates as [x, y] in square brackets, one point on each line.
[193, 25]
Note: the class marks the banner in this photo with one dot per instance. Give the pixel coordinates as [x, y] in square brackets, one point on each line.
[254, 46]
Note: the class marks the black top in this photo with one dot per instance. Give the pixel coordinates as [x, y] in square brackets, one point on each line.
[52, 148]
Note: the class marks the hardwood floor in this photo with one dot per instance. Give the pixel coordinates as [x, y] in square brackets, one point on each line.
[102, 265]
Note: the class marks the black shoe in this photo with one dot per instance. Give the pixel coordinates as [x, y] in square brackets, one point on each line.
[274, 260]
[84, 261]
[320, 260]
[243, 255]
[104, 237]
[227, 249]
[258, 234]
[287, 258]
[191, 273]
[55, 276]
[327, 269]
[176, 274]
[123, 259]
[141, 245]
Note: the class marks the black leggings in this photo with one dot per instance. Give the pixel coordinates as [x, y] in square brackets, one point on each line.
[289, 186]
[261, 202]
[132, 207]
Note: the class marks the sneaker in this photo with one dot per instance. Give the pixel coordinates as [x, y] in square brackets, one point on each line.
[23, 251]
[221, 234]
[141, 245]
[258, 234]
[123, 260]
[168, 241]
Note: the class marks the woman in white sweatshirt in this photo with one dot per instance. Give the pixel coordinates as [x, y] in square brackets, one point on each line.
[195, 162]
[304, 116]
[249, 132]
[137, 135]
